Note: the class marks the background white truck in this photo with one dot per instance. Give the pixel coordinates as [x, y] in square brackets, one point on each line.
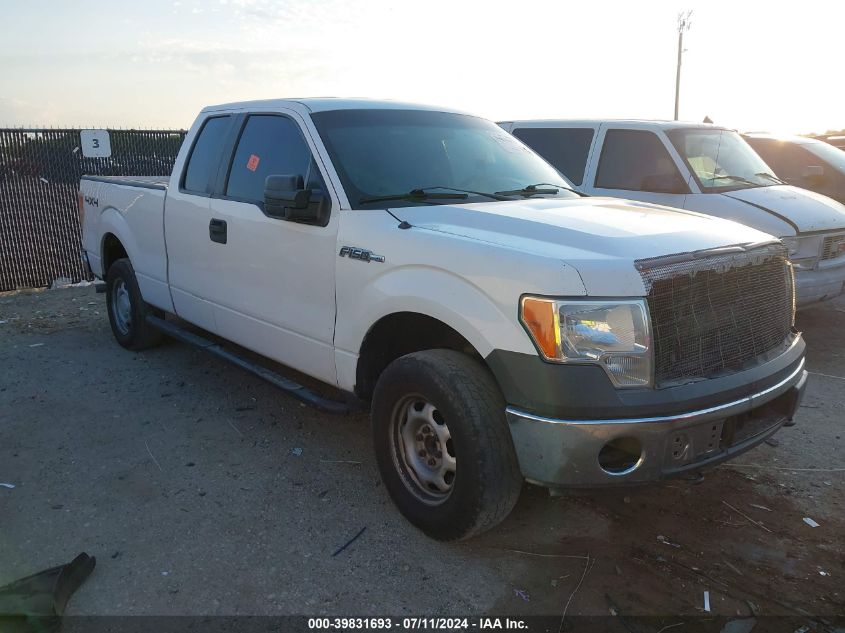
[427, 263]
[704, 168]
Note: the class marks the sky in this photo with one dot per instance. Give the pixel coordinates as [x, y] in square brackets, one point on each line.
[755, 66]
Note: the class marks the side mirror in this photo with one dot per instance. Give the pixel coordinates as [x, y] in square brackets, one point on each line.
[664, 183]
[285, 197]
[813, 173]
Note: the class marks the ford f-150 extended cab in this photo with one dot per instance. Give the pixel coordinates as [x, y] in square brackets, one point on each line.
[500, 326]
[704, 168]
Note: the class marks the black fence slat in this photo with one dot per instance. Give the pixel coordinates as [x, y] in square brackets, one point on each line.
[40, 170]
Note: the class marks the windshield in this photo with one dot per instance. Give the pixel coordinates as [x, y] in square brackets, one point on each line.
[720, 159]
[833, 156]
[387, 153]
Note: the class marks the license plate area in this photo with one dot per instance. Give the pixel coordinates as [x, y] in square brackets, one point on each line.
[689, 445]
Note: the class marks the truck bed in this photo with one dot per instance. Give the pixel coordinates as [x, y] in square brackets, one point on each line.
[130, 210]
[148, 182]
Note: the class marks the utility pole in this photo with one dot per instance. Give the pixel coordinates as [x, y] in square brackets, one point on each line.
[684, 23]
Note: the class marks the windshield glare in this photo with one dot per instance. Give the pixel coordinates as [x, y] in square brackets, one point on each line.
[720, 159]
[392, 152]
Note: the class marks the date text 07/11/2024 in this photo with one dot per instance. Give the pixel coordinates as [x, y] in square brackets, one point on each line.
[416, 623]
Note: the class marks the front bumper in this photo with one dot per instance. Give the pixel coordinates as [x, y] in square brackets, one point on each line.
[812, 286]
[571, 453]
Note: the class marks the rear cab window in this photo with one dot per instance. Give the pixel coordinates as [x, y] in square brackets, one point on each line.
[205, 155]
[566, 149]
[636, 160]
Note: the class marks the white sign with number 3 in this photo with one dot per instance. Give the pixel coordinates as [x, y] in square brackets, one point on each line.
[95, 143]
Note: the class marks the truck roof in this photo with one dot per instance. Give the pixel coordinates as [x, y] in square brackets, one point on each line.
[633, 123]
[787, 138]
[322, 104]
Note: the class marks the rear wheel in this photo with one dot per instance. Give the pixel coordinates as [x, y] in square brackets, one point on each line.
[442, 444]
[127, 309]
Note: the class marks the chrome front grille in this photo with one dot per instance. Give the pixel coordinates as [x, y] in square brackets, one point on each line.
[833, 246]
[717, 312]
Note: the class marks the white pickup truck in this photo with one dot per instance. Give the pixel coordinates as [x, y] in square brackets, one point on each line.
[500, 327]
[704, 168]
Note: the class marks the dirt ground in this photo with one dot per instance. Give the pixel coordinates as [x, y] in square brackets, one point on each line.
[203, 490]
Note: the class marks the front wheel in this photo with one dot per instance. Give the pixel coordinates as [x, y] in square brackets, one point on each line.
[127, 309]
[442, 444]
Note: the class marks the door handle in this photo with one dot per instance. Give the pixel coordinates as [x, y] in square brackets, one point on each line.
[217, 231]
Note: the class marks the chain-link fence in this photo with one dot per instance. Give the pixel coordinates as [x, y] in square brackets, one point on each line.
[39, 180]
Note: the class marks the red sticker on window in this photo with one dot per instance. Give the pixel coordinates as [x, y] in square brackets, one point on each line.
[252, 163]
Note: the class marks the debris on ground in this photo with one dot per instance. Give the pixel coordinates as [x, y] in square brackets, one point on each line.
[350, 541]
[296, 451]
[9, 486]
[810, 522]
[39, 600]
[522, 594]
[665, 541]
[753, 607]
[746, 517]
[707, 601]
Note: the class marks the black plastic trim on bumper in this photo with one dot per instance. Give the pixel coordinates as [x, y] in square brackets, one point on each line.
[584, 392]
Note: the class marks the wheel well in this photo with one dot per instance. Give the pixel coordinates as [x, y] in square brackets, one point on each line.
[112, 251]
[399, 334]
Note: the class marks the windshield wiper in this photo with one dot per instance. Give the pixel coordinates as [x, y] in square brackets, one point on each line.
[533, 190]
[735, 178]
[423, 194]
[764, 174]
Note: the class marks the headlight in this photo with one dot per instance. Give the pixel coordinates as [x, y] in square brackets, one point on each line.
[613, 334]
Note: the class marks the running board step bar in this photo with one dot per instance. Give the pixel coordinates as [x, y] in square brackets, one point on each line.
[287, 385]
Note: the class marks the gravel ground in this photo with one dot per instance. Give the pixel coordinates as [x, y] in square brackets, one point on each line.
[204, 491]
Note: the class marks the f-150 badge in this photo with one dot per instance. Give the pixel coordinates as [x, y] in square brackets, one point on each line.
[361, 254]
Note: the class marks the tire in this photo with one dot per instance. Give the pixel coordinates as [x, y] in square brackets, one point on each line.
[127, 309]
[444, 389]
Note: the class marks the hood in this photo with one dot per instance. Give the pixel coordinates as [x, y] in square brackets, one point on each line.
[802, 209]
[600, 237]
[583, 228]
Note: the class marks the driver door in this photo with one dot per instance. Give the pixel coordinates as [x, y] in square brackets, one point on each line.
[275, 290]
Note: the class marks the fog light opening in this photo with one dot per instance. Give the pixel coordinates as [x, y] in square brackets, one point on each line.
[621, 456]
